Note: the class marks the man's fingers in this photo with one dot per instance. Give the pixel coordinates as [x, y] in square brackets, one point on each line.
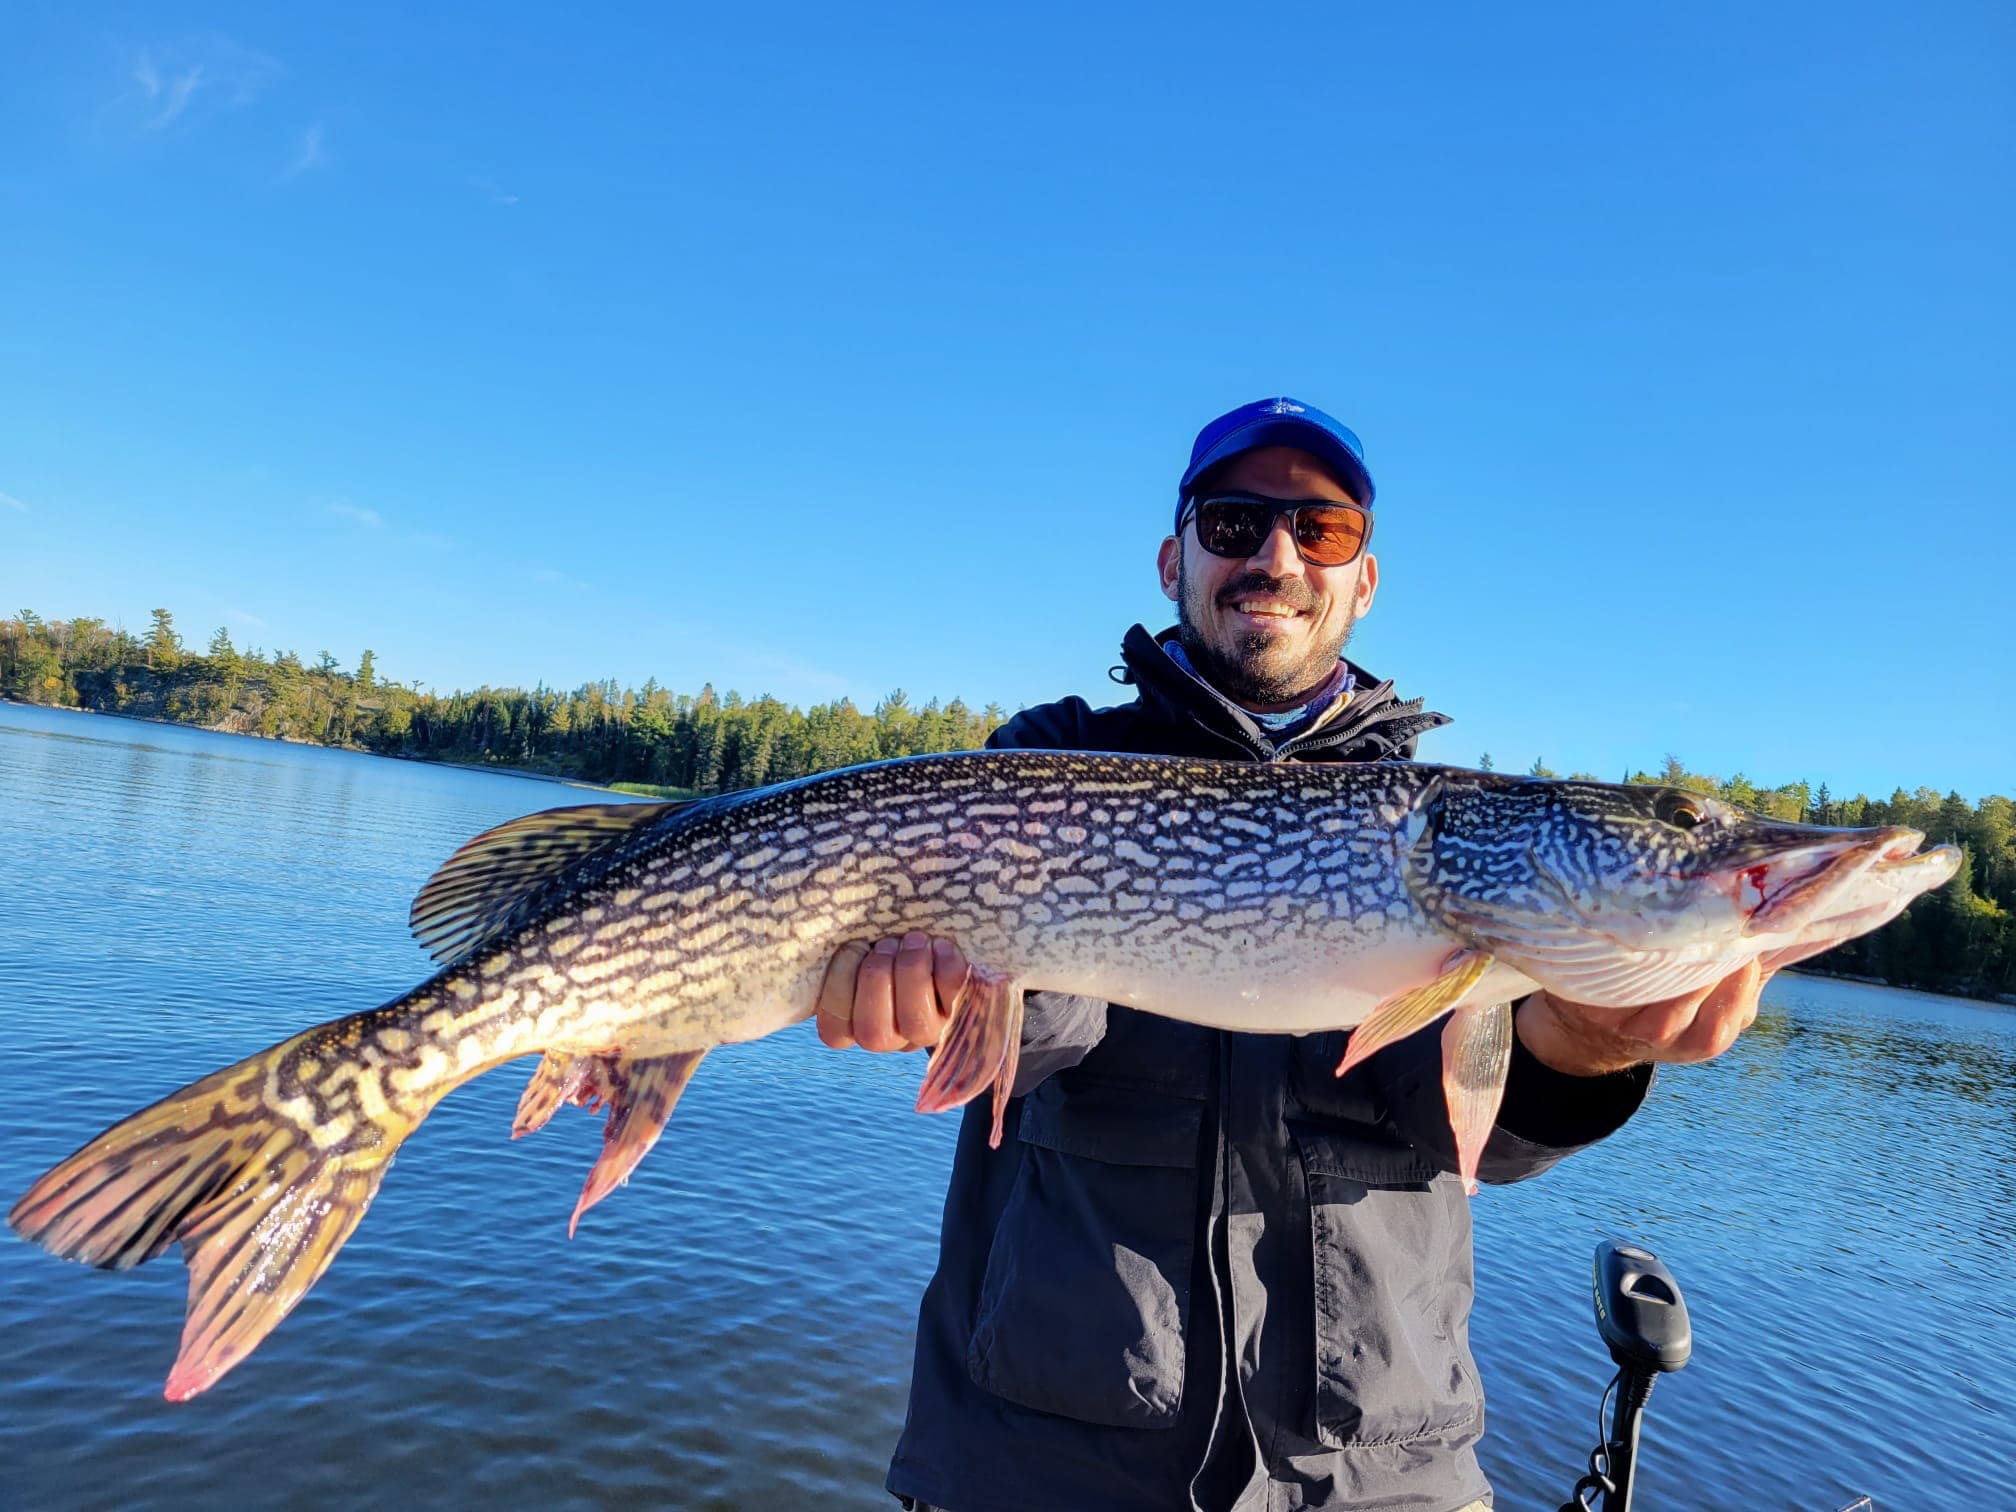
[892, 995]
[875, 999]
[834, 1010]
[1729, 1009]
[1661, 1023]
[951, 974]
[920, 1019]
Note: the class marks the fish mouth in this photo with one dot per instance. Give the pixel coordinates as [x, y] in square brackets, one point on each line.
[1792, 890]
[1895, 879]
[1882, 893]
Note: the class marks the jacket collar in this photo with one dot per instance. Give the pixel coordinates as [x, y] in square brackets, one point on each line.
[1374, 725]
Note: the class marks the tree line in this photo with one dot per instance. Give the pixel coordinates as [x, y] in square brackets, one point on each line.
[1961, 938]
[648, 737]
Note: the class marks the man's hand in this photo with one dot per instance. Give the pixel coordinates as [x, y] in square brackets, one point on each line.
[894, 995]
[1582, 1041]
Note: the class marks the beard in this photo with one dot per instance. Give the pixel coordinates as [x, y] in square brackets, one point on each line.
[1255, 668]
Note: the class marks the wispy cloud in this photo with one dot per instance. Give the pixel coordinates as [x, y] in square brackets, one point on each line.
[370, 519]
[171, 96]
[179, 81]
[245, 617]
[492, 193]
[309, 155]
[8, 501]
[833, 684]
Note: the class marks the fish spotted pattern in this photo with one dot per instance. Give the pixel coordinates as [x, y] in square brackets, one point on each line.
[623, 941]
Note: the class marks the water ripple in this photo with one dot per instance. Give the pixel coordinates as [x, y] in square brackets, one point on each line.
[734, 1328]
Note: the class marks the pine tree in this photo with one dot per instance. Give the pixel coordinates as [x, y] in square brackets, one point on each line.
[164, 646]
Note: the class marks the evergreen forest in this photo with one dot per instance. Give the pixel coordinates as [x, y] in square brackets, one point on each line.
[1961, 938]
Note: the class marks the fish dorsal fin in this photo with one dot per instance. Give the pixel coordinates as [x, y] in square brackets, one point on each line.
[480, 891]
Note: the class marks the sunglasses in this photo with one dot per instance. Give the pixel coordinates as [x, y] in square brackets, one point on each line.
[1327, 534]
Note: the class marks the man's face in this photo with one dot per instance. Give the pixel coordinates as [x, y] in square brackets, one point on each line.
[1267, 629]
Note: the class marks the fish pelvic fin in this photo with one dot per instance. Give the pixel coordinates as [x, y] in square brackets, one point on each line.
[1476, 1058]
[259, 1171]
[981, 1047]
[1415, 1009]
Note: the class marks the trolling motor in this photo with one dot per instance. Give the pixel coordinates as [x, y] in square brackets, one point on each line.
[1643, 1319]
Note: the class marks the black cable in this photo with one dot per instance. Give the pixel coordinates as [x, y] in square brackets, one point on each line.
[1598, 1480]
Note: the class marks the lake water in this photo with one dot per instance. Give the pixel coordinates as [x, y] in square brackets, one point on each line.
[733, 1330]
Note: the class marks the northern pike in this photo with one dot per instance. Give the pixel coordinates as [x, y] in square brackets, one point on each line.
[624, 941]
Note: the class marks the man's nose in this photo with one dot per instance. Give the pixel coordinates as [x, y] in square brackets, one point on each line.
[1278, 556]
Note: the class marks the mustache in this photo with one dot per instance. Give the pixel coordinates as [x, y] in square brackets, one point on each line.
[1293, 592]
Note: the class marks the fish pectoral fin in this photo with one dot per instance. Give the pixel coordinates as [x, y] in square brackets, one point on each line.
[1416, 1009]
[479, 891]
[981, 1047]
[641, 1092]
[1476, 1057]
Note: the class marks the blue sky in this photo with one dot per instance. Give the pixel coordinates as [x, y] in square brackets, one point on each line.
[825, 350]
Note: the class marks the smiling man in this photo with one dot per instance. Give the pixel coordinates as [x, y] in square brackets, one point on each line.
[1202, 1271]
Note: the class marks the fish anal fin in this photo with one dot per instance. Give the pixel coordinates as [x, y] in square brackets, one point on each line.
[1414, 1010]
[641, 1092]
[587, 1081]
[981, 1047]
[556, 1082]
[478, 892]
[1476, 1058]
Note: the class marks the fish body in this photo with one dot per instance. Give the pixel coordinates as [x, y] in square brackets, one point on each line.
[1230, 894]
[624, 941]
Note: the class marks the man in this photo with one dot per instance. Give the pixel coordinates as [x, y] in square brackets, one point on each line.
[1202, 1271]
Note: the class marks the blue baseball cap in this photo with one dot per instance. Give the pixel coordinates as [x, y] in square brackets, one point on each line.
[1280, 422]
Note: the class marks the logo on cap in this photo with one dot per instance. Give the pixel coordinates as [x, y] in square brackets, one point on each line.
[1287, 407]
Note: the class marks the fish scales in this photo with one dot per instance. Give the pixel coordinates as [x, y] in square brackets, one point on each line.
[625, 941]
[1069, 872]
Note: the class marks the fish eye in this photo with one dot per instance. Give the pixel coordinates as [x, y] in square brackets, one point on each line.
[1680, 811]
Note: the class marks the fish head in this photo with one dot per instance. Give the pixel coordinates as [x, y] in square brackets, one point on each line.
[1621, 895]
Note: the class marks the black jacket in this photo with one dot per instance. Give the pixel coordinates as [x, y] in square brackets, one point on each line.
[1168, 1197]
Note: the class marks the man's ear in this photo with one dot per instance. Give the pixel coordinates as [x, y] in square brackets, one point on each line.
[1170, 560]
[1368, 582]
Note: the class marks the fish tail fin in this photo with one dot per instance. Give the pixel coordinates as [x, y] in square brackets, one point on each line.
[259, 1171]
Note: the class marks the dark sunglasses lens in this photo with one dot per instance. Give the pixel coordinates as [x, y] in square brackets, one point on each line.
[1329, 537]
[1233, 527]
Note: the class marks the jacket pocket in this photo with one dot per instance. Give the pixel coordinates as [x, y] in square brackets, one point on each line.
[1393, 1283]
[1087, 1290]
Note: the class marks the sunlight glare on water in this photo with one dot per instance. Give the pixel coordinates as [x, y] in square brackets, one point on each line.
[734, 1328]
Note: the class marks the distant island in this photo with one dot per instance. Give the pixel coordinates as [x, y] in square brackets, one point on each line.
[651, 740]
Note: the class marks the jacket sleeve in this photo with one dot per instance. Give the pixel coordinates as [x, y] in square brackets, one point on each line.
[1545, 1117]
[1058, 1029]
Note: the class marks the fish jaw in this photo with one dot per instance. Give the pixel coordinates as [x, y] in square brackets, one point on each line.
[1876, 897]
[1781, 909]
[1783, 893]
